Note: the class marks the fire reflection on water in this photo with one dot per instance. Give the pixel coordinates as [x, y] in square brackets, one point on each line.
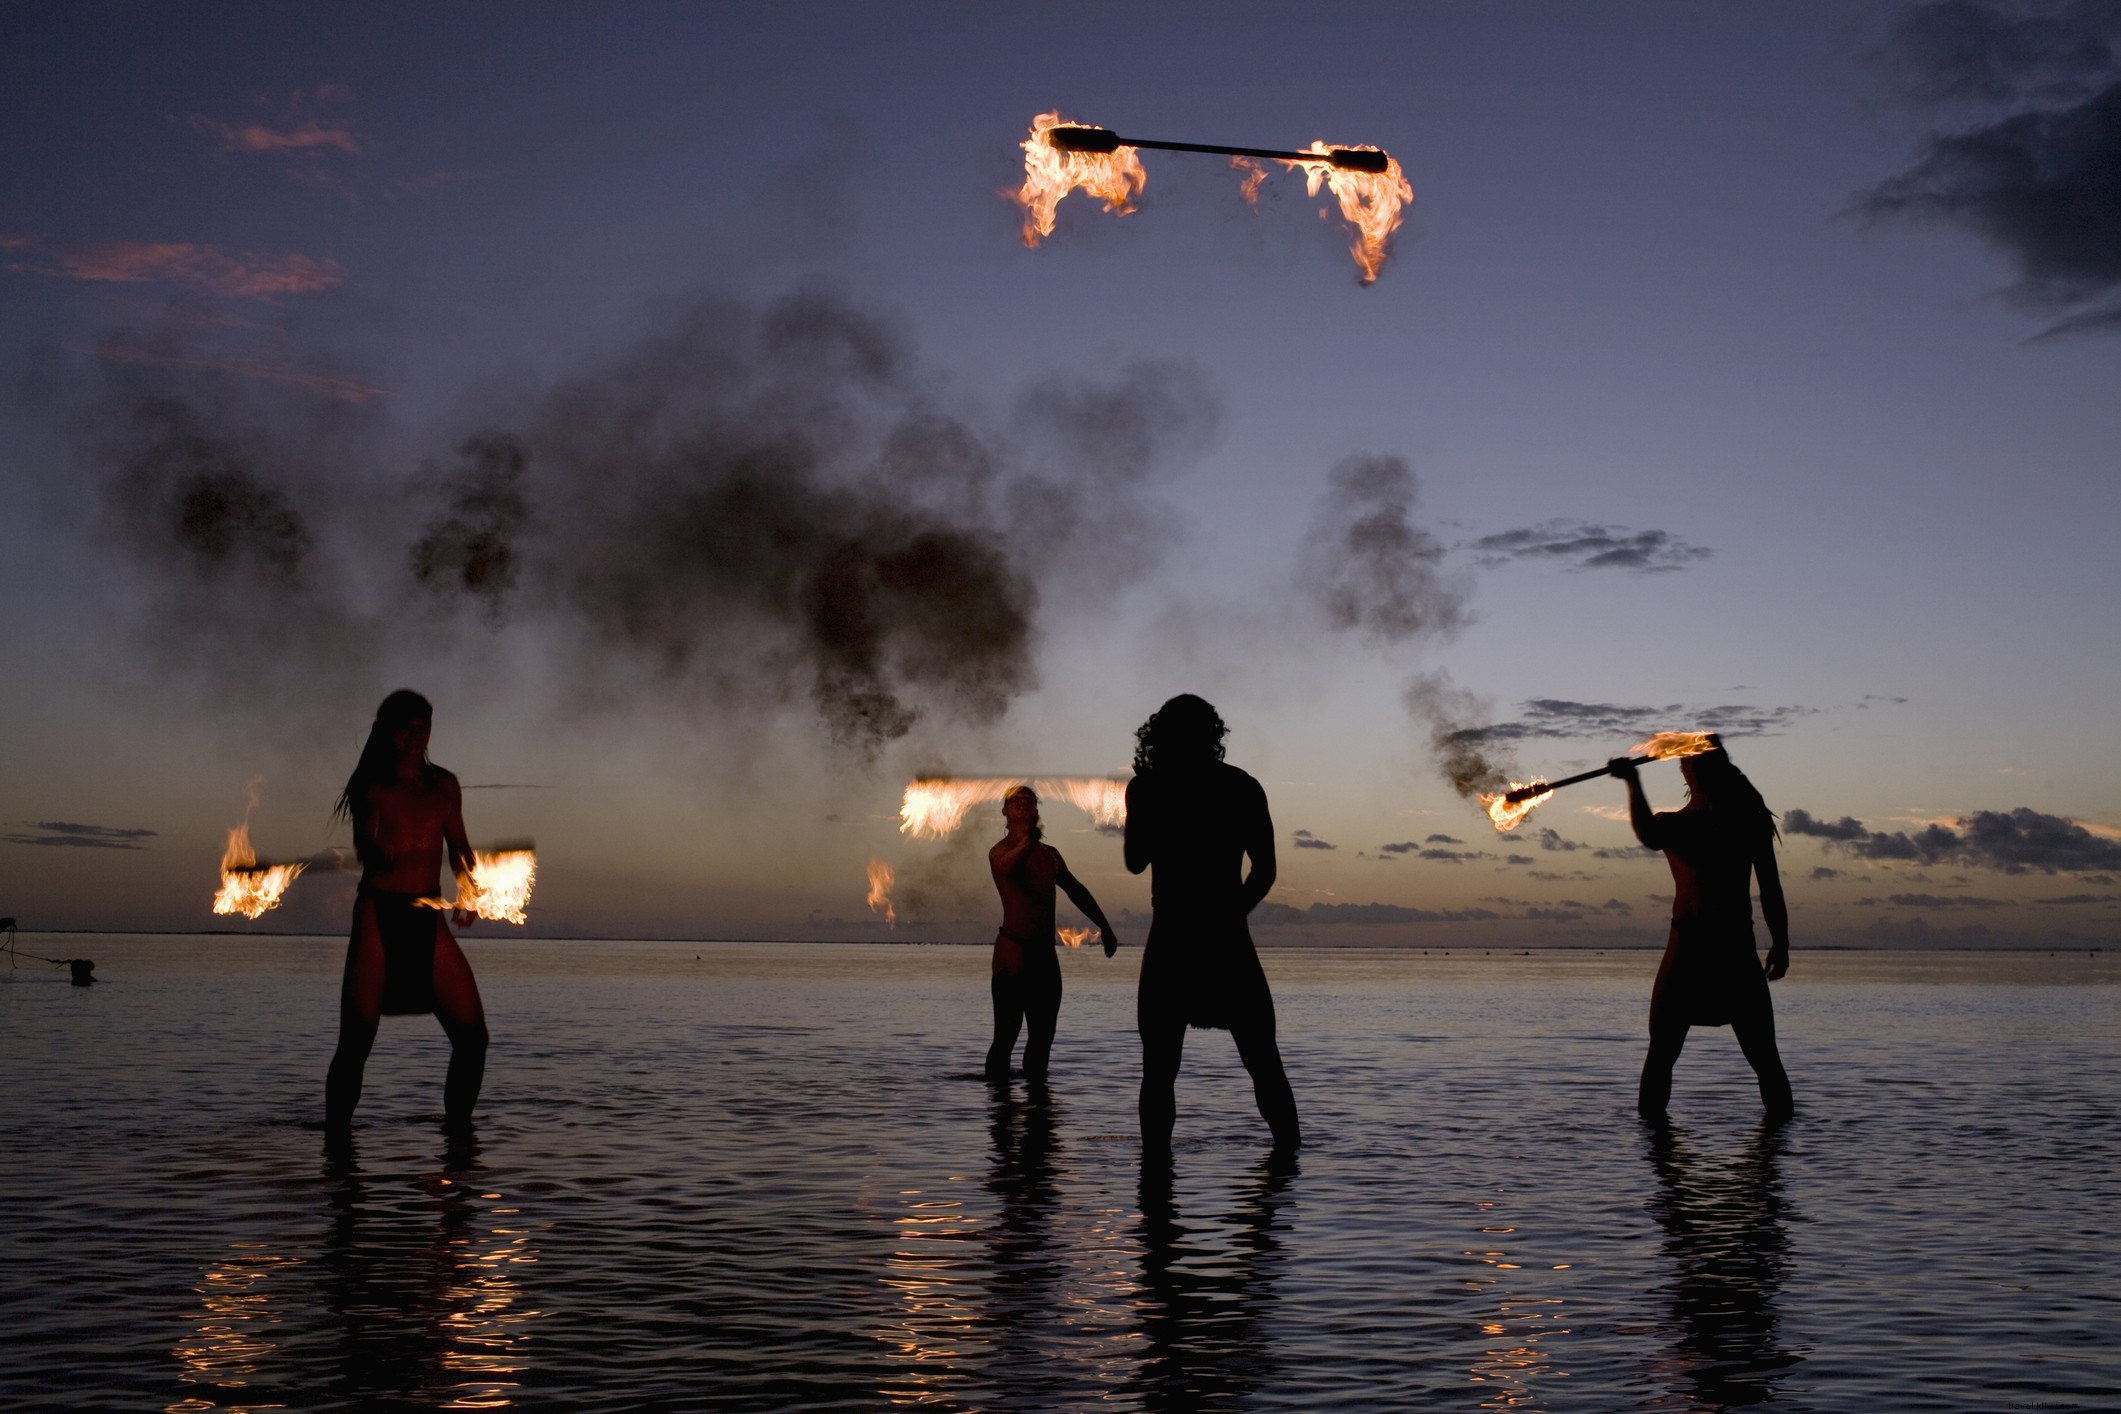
[424, 1297]
[1516, 1331]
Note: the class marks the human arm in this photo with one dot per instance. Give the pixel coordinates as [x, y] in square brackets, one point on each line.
[1259, 848]
[1135, 839]
[1639, 813]
[1082, 899]
[1773, 908]
[459, 846]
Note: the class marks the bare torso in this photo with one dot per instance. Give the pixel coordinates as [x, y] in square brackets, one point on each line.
[1026, 880]
[401, 830]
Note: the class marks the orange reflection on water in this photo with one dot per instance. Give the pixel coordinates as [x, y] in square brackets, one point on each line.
[1514, 1359]
[233, 1331]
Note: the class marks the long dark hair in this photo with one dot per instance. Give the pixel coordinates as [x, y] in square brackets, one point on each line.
[1729, 793]
[1183, 732]
[379, 755]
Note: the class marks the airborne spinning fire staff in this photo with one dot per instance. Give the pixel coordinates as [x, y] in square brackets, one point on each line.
[1060, 157]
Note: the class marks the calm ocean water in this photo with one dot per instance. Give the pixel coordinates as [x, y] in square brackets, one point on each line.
[767, 1176]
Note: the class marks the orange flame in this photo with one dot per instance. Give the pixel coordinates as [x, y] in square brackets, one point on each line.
[1507, 816]
[498, 886]
[1050, 173]
[247, 887]
[1076, 937]
[935, 806]
[1665, 745]
[880, 881]
[1371, 202]
[1255, 177]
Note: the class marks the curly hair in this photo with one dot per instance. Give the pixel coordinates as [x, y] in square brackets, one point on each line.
[1184, 731]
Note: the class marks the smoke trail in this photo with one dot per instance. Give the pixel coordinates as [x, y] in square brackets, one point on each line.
[1369, 566]
[1463, 747]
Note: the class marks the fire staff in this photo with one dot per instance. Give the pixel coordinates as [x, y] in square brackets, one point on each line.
[1711, 975]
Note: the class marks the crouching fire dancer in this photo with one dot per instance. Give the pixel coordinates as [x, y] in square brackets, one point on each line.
[1027, 979]
[1711, 974]
[402, 959]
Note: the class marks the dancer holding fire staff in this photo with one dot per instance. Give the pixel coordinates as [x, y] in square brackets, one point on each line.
[402, 959]
[1027, 979]
[1711, 976]
[1193, 819]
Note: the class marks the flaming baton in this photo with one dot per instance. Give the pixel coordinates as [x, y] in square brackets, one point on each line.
[1060, 157]
[1509, 809]
[934, 806]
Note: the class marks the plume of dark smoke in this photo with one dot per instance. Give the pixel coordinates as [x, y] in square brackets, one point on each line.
[1366, 562]
[1463, 750]
[473, 552]
[750, 505]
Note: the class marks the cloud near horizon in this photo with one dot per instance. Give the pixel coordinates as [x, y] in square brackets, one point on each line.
[2014, 842]
[1584, 545]
[247, 275]
[65, 834]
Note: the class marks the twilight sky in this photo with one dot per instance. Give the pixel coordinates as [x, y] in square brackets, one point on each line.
[664, 391]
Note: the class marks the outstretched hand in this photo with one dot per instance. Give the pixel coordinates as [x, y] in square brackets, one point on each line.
[1111, 943]
[1778, 962]
[1622, 766]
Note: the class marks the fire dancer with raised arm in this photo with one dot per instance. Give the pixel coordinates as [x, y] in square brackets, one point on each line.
[1027, 979]
[1193, 819]
[1711, 976]
[402, 959]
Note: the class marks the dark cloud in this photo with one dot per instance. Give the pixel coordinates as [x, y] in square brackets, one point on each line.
[1517, 859]
[64, 834]
[1442, 839]
[1936, 901]
[2031, 168]
[1306, 840]
[1802, 822]
[2016, 842]
[1368, 565]
[1822, 873]
[1454, 856]
[746, 508]
[1559, 718]
[1401, 847]
[2073, 899]
[1281, 914]
[1550, 839]
[1581, 545]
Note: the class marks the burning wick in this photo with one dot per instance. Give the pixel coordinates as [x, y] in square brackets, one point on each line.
[1059, 157]
[248, 887]
[880, 881]
[935, 806]
[498, 886]
[1509, 809]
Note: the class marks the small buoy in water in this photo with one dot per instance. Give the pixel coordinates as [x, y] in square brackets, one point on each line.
[84, 971]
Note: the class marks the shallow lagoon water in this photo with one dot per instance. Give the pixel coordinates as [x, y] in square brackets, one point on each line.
[767, 1176]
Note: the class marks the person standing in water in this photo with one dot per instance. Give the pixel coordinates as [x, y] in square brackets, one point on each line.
[1193, 819]
[402, 959]
[1027, 979]
[1711, 975]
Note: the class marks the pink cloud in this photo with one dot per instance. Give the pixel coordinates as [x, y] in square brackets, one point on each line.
[257, 137]
[346, 390]
[205, 267]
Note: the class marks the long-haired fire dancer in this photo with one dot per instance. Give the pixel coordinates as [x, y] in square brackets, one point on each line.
[1194, 819]
[1027, 979]
[1717, 844]
[402, 959]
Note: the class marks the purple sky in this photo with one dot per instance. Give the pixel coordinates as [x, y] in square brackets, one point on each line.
[1747, 366]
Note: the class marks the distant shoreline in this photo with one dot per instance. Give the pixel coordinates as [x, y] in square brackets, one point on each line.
[1263, 944]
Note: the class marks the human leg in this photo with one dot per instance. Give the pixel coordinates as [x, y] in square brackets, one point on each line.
[1654, 1092]
[1163, 1047]
[1756, 1037]
[463, 1018]
[360, 1007]
[1008, 1020]
[1042, 1013]
[1270, 1083]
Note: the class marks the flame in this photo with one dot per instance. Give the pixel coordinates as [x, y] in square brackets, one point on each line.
[1076, 937]
[1371, 202]
[935, 806]
[498, 886]
[1665, 745]
[1507, 816]
[1050, 173]
[247, 887]
[880, 881]
[1255, 177]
